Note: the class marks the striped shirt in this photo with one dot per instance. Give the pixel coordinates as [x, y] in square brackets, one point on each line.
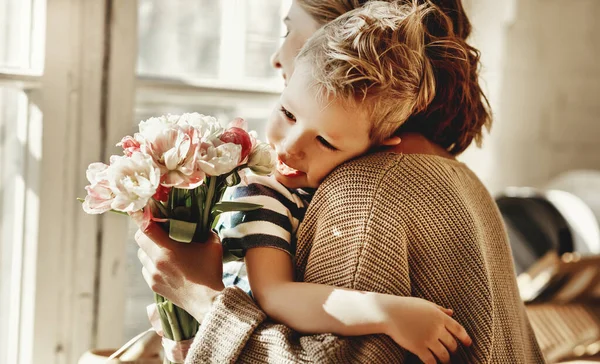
[274, 225]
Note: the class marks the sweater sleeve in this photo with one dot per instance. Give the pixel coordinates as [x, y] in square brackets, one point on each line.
[236, 330]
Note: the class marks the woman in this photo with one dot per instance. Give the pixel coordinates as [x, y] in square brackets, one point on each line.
[408, 221]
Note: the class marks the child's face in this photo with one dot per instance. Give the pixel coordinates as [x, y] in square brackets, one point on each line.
[313, 135]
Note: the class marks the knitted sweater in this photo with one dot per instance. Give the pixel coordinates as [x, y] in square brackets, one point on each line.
[409, 225]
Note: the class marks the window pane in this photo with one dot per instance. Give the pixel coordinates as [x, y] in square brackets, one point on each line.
[225, 41]
[262, 16]
[139, 294]
[21, 34]
[13, 136]
[179, 38]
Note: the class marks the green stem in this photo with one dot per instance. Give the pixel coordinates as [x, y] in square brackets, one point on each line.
[163, 210]
[208, 204]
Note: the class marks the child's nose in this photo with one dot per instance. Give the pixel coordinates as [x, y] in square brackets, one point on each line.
[293, 149]
[293, 144]
[294, 153]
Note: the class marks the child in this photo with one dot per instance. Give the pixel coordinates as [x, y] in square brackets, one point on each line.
[355, 82]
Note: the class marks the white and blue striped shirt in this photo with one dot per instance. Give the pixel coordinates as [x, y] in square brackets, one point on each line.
[274, 225]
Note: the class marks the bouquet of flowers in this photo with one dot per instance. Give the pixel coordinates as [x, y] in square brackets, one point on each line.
[174, 171]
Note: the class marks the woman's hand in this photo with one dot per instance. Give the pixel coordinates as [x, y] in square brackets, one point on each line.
[422, 327]
[189, 275]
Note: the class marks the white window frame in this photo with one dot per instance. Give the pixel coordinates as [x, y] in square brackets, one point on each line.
[72, 265]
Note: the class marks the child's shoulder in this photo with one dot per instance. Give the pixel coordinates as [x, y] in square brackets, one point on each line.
[267, 186]
[268, 181]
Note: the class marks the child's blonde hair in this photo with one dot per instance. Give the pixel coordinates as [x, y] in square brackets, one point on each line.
[324, 11]
[384, 56]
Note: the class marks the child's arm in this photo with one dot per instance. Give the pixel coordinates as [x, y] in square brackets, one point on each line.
[415, 324]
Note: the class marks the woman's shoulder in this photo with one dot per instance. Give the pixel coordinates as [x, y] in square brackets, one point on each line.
[362, 174]
[396, 167]
[405, 179]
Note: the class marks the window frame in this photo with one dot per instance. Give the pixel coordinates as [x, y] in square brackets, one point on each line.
[71, 268]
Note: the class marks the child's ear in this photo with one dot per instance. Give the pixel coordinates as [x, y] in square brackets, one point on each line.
[391, 141]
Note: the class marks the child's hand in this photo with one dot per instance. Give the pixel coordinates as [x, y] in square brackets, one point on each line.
[423, 328]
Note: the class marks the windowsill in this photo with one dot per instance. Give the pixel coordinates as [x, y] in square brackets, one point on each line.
[21, 80]
[191, 84]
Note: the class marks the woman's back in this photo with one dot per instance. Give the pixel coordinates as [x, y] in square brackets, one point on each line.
[420, 225]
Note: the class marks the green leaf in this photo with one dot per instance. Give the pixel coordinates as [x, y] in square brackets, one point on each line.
[182, 213]
[233, 179]
[111, 210]
[182, 231]
[160, 207]
[226, 206]
[231, 255]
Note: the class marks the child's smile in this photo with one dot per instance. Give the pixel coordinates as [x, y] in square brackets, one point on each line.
[286, 170]
[313, 135]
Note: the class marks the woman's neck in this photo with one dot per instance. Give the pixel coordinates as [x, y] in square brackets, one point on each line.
[413, 143]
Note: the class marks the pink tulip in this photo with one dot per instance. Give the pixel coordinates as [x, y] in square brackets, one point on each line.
[133, 180]
[130, 145]
[100, 195]
[172, 147]
[162, 193]
[215, 161]
[240, 137]
[239, 123]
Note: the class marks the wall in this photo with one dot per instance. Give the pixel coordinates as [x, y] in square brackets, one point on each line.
[542, 75]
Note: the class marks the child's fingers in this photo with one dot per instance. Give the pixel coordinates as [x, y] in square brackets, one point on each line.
[427, 357]
[447, 311]
[440, 351]
[459, 332]
[449, 341]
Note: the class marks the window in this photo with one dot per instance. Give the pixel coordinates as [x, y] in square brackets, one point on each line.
[56, 264]
[206, 56]
[21, 62]
[226, 42]
[62, 106]
[21, 36]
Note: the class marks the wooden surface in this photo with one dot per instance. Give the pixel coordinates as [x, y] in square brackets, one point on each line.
[566, 331]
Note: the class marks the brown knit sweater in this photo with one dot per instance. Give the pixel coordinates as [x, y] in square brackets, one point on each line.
[401, 224]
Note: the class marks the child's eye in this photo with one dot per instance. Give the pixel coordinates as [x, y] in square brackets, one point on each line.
[326, 144]
[288, 114]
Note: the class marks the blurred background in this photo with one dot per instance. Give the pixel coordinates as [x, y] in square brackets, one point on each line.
[75, 76]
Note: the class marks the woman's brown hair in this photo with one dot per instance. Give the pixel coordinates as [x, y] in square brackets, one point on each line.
[459, 110]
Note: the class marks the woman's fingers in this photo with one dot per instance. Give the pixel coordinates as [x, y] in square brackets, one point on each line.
[160, 237]
[154, 249]
[157, 234]
[459, 332]
[148, 278]
[449, 341]
[440, 352]
[144, 258]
